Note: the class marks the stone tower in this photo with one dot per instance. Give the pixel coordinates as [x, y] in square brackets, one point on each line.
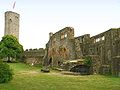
[12, 24]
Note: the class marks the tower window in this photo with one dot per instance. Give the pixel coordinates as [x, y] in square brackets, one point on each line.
[10, 20]
[65, 35]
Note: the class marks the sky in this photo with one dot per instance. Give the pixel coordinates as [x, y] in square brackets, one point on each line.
[40, 17]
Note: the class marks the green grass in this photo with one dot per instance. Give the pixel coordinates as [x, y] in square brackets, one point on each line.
[30, 78]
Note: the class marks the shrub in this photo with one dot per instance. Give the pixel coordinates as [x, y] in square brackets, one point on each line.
[6, 73]
[88, 61]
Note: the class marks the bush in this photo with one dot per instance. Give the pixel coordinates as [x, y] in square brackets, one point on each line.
[88, 61]
[6, 73]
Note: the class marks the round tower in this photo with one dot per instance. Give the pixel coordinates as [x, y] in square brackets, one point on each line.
[12, 24]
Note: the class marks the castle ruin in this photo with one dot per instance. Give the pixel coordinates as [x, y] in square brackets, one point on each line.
[102, 48]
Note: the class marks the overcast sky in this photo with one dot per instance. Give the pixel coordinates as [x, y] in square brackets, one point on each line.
[39, 17]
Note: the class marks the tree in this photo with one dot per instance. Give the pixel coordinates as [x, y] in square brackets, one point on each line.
[10, 47]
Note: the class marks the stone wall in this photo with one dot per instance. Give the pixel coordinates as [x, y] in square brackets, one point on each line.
[34, 56]
[106, 46]
[82, 45]
[96, 64]
[116, 66]
[62, 45]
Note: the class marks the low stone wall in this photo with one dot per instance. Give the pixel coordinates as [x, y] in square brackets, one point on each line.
[34, 61]
[116, 66]
[34, 56]
[105, 69]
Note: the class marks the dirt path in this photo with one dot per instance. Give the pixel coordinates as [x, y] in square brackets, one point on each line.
[62, 73]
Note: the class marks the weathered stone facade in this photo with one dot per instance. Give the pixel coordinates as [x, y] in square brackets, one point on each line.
[60, 47]
[106, 45]
[34, 56]
[103, 48]
[12, 24]
[64, 46]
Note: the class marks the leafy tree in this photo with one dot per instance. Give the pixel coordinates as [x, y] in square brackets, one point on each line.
[10, 47]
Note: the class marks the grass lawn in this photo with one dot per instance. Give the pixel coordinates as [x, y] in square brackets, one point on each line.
[30, 78]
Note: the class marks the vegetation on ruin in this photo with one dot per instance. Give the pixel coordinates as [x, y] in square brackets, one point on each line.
[88, 61]
[28, 77]
[10, 47]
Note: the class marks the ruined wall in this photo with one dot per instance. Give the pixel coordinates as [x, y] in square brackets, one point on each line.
[60, 46]
[64, 46]
[106, 46]
[115, 35]
[34, 56]
[82, 45]
[116, 66]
